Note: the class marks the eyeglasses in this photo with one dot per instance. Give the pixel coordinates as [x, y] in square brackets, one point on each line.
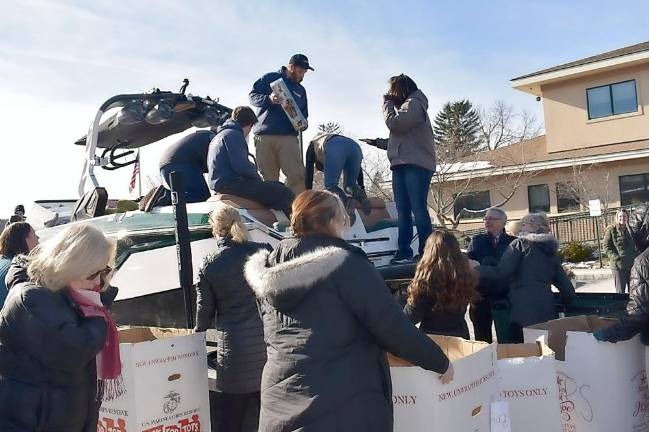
[101, 273]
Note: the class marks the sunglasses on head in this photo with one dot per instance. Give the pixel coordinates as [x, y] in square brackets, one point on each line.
[102, 273]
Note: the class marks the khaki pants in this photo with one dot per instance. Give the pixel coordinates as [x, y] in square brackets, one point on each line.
[280, 152]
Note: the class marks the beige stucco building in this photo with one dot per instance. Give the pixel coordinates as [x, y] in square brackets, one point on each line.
[596, 144]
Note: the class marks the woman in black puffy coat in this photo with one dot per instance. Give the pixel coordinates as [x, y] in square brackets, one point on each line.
[48, 346]
[328, 320]
[226, 302]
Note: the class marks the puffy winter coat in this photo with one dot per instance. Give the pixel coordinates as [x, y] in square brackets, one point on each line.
[328, 320]
[225, 301]
[48, 376]
[532, 263]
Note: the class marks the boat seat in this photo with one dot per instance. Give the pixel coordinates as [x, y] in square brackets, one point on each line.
[263, 214]
[378, 218]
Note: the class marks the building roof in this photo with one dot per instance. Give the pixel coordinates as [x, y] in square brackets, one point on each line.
[640, 47]
[532, 155]
[612, 60]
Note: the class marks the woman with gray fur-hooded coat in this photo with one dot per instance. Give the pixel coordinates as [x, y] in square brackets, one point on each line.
[328, 320]
[532, 264]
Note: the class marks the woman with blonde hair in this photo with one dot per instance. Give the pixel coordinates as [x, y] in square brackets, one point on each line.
[443, 287]
[57, 339]
[225, 301]
[328, 320]
[533, 266]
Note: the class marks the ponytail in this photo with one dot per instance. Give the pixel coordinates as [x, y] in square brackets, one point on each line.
[226, 221]
[238, 232]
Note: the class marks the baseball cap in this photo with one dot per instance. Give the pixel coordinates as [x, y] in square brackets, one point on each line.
[300, 60]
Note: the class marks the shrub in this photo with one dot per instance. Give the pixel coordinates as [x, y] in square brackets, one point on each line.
[576, 252]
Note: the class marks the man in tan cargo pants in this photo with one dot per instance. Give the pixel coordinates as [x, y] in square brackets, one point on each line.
[276, 141]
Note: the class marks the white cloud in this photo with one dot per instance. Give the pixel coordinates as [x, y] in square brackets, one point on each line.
[59, 62]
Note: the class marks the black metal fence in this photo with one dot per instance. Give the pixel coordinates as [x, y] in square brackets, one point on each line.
[579, 227]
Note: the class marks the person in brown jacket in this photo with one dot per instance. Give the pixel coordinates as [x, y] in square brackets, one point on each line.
[411, 151]
[621, 250]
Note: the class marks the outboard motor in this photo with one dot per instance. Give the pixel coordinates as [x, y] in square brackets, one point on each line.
[91, 204]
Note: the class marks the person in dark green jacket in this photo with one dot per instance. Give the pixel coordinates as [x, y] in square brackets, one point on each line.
[621, 250]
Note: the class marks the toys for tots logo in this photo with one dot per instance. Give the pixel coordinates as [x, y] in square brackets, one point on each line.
[184, 425]
[107, 424]
[171, 403]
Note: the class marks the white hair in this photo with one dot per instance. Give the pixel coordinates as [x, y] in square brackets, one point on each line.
[498, 210]
[539, 221]
[75, 253]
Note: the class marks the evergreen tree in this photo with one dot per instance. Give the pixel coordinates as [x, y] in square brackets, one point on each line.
[457, 128]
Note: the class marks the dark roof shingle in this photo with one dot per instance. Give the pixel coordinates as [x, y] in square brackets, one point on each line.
[644, 46]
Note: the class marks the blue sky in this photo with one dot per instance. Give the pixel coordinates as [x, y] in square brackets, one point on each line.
[60, 60]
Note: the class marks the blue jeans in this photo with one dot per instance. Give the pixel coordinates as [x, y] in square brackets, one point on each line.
[410, 185]
[342, 156]
[196, 189]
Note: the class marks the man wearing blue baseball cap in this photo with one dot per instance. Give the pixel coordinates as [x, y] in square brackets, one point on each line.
[276, 142]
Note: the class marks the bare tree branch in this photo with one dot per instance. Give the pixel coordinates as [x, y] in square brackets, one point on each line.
[501, 125]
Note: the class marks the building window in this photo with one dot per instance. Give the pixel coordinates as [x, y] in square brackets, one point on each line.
[612, 99]
[538, 198]
[472, 201]
[634, 189]
[567, 197]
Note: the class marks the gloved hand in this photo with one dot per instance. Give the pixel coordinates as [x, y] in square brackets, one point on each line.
[389, 98]
[599, 335]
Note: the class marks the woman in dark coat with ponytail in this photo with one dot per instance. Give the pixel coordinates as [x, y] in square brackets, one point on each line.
[226, 302]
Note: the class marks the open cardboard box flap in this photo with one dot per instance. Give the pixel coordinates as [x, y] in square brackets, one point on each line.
[455, 348]
[510, 351]
[558, 328]
[134, 334]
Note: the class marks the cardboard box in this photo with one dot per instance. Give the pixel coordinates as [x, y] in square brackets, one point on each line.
[423, 403]
[289, 105]
[165, 375]
[527, 381]
[602, 386]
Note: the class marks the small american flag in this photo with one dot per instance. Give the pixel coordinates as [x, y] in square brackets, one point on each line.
[136, 172]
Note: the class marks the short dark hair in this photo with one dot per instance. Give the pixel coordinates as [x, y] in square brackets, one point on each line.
[13, 240]
[244, 115]
[401, 87]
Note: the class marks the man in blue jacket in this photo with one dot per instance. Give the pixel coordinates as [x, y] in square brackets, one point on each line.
[276, 143]
[231, 172]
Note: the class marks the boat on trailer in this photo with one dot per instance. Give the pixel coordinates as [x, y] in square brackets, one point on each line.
[146, 270]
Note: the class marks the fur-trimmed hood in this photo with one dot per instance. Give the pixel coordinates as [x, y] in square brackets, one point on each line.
[284, 284]
[547, 242]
